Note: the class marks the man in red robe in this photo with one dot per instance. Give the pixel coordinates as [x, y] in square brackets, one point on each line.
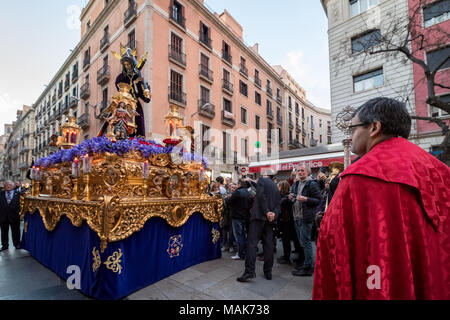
[386, 233]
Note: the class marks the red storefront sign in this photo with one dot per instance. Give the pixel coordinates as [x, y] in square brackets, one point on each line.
[289, 166]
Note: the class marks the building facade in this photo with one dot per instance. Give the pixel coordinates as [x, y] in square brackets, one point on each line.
[197, 60]
[307, 125]
[356, 77]
[433, 22]
[19, 146]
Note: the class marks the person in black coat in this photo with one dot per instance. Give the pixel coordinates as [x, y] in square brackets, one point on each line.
[286, 227]
[305, 194]
[264, 212]
[240, 203]
[9, 215]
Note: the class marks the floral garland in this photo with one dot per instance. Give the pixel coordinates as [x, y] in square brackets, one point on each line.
[103, 144]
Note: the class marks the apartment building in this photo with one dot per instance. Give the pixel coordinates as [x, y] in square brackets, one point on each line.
[197, 60]
[307, 125]
[19, 146]
[356, 77]
[433, 22]
[59, 100]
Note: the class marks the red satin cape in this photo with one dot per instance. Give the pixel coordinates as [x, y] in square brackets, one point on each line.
[391, 211]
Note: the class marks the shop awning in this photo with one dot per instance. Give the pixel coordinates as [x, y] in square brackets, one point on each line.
[314, 161]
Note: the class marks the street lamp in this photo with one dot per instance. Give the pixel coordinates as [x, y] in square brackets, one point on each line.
[343, 121]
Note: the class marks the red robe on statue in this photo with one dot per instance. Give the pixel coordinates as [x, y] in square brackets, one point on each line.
[386, 233]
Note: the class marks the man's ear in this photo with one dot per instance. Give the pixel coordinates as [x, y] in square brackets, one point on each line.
[375, 129]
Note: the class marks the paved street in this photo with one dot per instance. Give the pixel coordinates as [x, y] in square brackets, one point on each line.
[22, 277]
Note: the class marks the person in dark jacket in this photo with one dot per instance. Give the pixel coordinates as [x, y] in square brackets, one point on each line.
[285, 224]
[240, 203]
[305, 194]
[9, 215]
[263, 214]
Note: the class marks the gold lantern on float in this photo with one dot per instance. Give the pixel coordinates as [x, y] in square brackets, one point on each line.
[71, 134]
[174, 122]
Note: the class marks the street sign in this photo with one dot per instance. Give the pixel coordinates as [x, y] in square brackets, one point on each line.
[244, 171]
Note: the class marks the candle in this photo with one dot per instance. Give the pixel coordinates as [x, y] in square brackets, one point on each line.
[145, 170]
[75, 168]
[86, 164]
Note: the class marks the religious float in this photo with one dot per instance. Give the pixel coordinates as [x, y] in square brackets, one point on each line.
[126, 211]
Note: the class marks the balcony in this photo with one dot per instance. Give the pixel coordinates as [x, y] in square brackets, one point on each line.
[67, 84]
[226, 56]
[297, 111]
[269, 91]
[60, 92]
[270, 138]
[205, 73]
[298, 128]
[279, 99]
[270, 114]
[73, 102]
[227, 86]
[291, 124]
[54, 99]
[103, 105]
[258, 82]
[303, 132]
[103, 75]
[86, 63]
[65, 107]
[130, 15]
[228, 118]
[83, 121]
[85, 91]
[205, 41]
[104, 43]
[243, 70]
[75, 76]
[176, 56]
[23, 165]
[178, 97]
[279, 119]
[176, 17]
[206, 109]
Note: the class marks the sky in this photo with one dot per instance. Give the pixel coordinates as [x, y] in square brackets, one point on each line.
[36, 38]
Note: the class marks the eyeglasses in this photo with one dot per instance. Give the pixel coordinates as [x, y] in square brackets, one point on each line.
[355, 126]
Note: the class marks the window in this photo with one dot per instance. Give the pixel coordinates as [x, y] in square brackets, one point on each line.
[227, 105]
[366, 41]
[436, 12]
[244, 148]
[205, 137]
[368, 80]
[243, 88]
[226, 145]
[269, 107]
[437, 57]
[257, 122]
[436, 112]
[177, 13]
[132, 40]
[204, 35]
[243, 115]
[177, 43]
[226, 52]
[205, 95]
[320, 138]
[359, 6]
[320, 123]
[257, 98]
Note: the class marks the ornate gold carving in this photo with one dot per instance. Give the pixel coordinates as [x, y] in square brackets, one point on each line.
[96, 259]
[114, 219]
[113, 262]
[215, 235]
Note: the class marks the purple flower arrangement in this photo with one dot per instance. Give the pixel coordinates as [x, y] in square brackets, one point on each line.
[121, 147]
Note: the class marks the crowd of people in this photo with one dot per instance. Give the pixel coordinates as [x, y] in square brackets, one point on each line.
[297, 203]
